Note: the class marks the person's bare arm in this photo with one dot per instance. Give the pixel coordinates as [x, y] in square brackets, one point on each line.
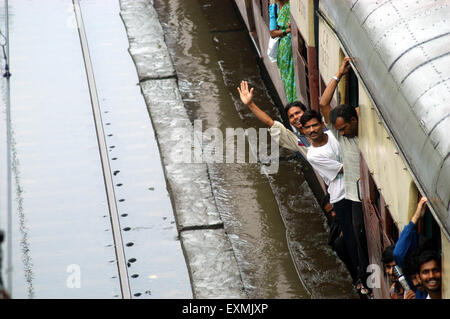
[279, 33]
[247, 98]
[420, 210]
[327, 95]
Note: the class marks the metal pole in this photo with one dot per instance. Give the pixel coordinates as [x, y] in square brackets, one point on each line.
[8, 137]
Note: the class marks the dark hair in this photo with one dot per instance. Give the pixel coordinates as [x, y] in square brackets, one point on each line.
[388, 255]
[297, 104]
[410, 264]
[309, 115]
[345, 111]
[426, 256]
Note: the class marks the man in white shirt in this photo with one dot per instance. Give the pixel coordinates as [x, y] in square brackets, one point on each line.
[324, 155]
[328, 165]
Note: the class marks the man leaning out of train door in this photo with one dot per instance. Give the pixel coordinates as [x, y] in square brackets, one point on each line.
[284, 137]
[324, 155]
[344, 125]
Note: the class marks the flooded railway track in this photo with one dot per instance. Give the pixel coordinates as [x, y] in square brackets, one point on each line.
[92, 216]
[103, 148]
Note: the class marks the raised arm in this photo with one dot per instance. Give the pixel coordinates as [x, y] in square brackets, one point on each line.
[409, 238]
[420, 210]
[327, 95]
[247, 99]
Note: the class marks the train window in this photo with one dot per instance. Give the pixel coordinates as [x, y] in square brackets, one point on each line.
[374, 195]
[261, 6]
[301, 56]
[352, 89]
[349, 87]
[264, 6]
[302, 50]
[429, 228]
[387, 226]
[391, 228]
[250, 16]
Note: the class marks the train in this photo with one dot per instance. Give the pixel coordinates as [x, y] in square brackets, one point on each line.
[400, 80]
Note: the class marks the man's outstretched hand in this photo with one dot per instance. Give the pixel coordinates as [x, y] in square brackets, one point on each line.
[247, 99]
[246, 95]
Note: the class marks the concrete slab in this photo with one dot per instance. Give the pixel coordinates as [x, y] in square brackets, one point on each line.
[212, 264]
[146, 37]
[189, 182]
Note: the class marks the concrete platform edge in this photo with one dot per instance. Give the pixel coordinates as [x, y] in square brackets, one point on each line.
[209, 255]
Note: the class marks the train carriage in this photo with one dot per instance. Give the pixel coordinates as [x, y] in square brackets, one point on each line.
[400, 81]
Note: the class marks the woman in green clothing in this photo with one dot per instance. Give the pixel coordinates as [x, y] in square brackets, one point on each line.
[281, 27]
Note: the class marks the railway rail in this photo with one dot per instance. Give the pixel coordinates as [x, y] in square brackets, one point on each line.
[103, 148]
[87, 180]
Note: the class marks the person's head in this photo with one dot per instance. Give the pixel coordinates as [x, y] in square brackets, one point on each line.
[345, 120]
[411, 270]
[389, 263]
[429, 265]
[294, 112]
[312, 126]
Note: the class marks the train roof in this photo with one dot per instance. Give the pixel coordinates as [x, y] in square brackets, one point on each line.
[401, 52]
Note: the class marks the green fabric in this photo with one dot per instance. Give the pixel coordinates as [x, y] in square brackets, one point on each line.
[284, 59]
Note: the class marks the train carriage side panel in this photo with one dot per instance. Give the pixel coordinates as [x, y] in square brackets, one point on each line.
[445, 267]
[263, 36]
[246, 11]
[386, 166]
[329, 58]
[255, 16]
[304, 48]
[376, 240]
[300, 65]
[401, 51]
[302, 12]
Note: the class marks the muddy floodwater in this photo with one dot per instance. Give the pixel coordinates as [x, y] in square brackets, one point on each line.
[274, 222]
